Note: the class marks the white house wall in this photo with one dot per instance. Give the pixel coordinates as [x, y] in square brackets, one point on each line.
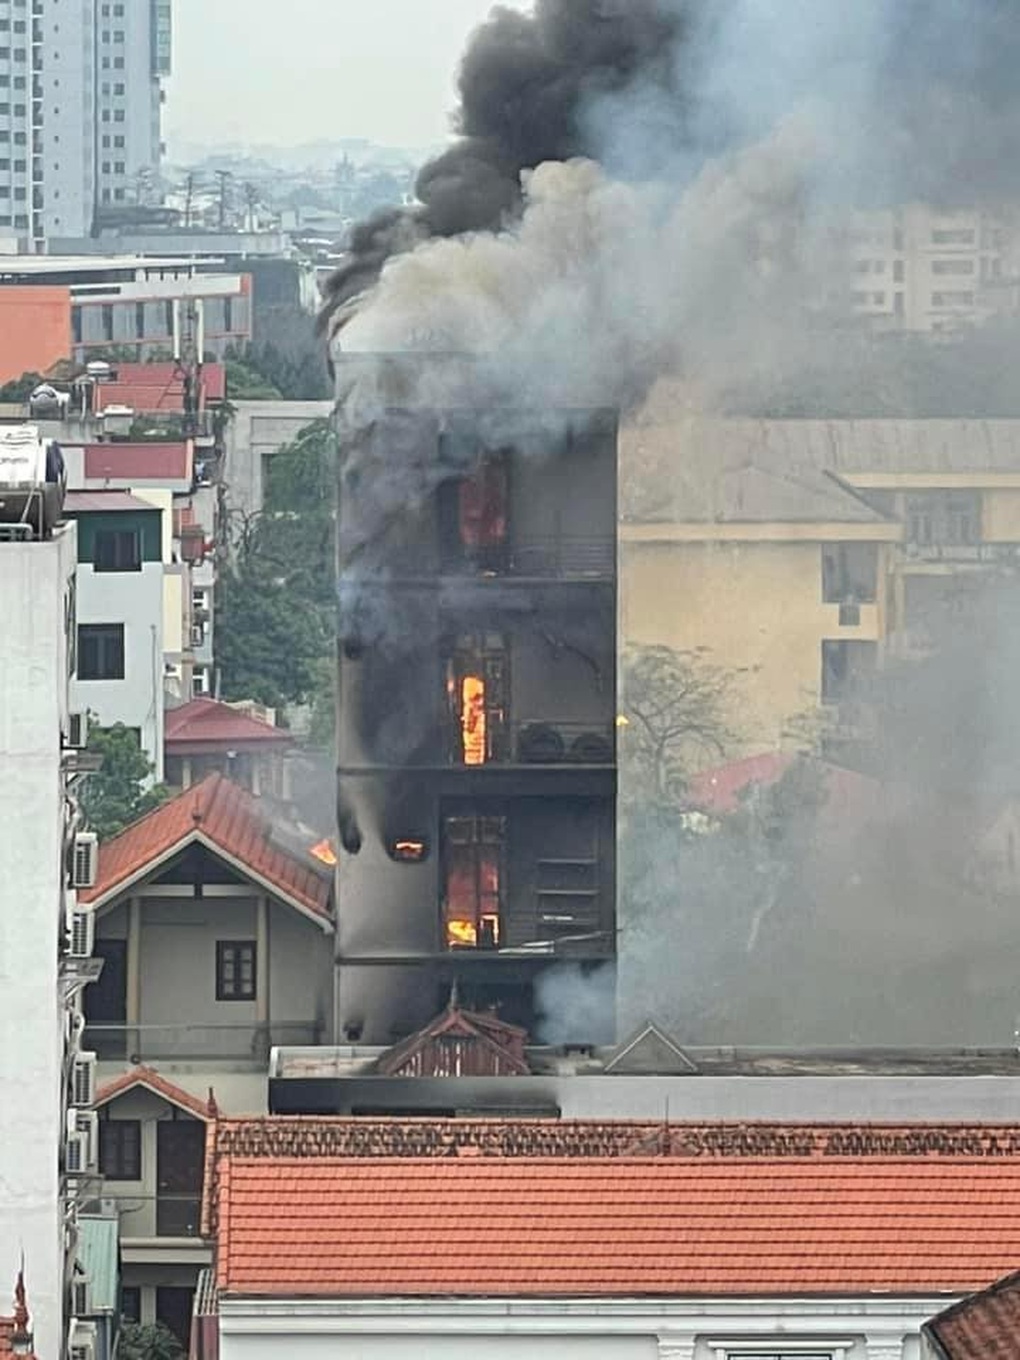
[134, 599]
[870, 1328]
[33, 703]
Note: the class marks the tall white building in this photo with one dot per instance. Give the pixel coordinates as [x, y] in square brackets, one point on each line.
[43, 1160]
[80, 104]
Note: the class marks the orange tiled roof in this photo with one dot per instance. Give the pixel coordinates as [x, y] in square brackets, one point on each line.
[228, 819]
[204, 723]
[657, 1225]
[983, 1326]
[152, 1081]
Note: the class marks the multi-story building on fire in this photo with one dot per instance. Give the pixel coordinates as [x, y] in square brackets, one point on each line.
[476, 686]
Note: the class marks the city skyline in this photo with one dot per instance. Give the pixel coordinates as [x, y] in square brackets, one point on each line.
[233, 83]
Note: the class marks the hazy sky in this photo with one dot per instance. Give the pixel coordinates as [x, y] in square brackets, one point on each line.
[287, 71]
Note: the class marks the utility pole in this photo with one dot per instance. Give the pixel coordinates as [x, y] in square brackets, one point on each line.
[189, 194]
[224, 178]
[251, 200]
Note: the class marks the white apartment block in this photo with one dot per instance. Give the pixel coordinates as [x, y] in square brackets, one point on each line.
[918, 268]
[43, 964]
[80, 106]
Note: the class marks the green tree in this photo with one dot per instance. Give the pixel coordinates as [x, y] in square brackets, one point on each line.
[20, 389]
[674, 721]
[277, 602]
[116, 795]
[153, 1341]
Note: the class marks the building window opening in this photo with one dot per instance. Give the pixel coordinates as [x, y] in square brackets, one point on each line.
[235, 970]
[944, 519]
[846, 668]
[120, 1149]
[474, 881]
[482, 513]
[117, 550]
[849, 573]
[476, 695]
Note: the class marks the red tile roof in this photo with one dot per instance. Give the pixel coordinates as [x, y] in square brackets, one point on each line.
[154, 462]
[81, 502]
[156, 388]
[663, 1226]
[202, 724]
[149, 1078]
[229, 820]
[721, 790]
[985, 1326]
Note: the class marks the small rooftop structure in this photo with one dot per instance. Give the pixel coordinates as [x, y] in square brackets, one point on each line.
[204, 725]
[459, 1043]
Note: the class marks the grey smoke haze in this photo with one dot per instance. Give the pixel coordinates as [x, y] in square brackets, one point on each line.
[676, 222]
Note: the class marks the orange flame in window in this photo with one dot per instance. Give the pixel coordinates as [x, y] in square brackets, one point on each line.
[472, 719]
[461, 933]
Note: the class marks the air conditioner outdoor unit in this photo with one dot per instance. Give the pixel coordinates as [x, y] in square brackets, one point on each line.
[83, 1081]
[82, 1342]
[85, 1124]
[82, 1298]
[77, 731]
[85, 864]
[76, 1155]
[81, 933]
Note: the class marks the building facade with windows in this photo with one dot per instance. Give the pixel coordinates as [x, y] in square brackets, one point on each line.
[120, 586]
[476, 685]
[80, 112]
[926, 269]
[48, 1137]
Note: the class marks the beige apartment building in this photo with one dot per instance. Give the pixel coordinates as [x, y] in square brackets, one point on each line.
[918, 268]
[796, 555]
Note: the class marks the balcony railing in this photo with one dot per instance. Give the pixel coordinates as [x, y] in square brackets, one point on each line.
[195, 1042]
[160, 1215]
[961, 552]
[551, 559]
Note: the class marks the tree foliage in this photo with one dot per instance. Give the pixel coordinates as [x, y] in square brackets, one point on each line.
[675, 719]
[120, 792]
[277, 610]
[20, 389]
[138, 1341]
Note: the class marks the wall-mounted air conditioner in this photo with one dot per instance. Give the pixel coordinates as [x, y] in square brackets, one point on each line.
[85, 1124]
[83, 1081]
[77, 731]
[81, 1298]
[76, 1155]
[85, 861]
[81, 932]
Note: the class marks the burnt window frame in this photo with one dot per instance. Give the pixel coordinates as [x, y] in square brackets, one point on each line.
[489, 654]
[118, 1161]
[839, 585]
[231, 982]
[108, 640]
[479, 818]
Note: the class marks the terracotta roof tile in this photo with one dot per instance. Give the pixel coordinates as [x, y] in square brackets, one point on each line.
[158, 387]
[152, 1081]
[81, 502]
[678, 1226]
[204, 723]
[222, 815]
[153, 462]
[984, 1326]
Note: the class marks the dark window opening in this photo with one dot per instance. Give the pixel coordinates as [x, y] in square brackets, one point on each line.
[130, 1303]
[174, 1305]
[476, 527]
[106, 314]
[849, 573]
[235, 970]
[117, 550]
[474, 875]
[101, 651]
[567, 896]
[846, 666]
[476, 693]
[120, 1149]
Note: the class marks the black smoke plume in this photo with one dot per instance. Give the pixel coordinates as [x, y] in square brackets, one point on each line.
[526, 83]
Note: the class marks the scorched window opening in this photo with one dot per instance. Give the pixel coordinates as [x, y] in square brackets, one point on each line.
[476, 692]
[475, 517]
[474, 879]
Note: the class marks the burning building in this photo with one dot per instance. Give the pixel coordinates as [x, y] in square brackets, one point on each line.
[477, 699]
